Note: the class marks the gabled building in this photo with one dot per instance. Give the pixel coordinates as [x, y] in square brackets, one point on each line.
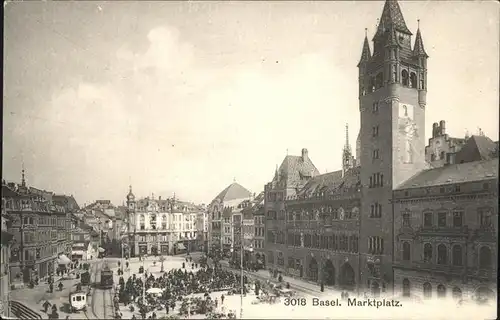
[160, 226]
[291, 176]
[221, 218]
[41, 231]
[446, 222]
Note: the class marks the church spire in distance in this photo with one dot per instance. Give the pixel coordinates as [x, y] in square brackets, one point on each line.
[23, 180]
[347, 160]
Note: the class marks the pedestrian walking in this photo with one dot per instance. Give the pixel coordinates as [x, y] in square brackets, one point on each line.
[46, 306]
[222, 299]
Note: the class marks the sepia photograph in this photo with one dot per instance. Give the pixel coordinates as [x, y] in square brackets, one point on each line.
[250, 160]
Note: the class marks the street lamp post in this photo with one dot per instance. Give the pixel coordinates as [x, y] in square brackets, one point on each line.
[241, 278]
[144, 283]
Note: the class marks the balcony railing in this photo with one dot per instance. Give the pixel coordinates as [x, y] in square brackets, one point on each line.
[434, 230]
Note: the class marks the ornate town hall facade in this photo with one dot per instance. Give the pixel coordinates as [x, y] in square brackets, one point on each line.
[400, 211]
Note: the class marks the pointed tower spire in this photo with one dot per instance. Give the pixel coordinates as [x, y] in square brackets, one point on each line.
[347, 159]
[347, 146]
[418, 48]
[392, 16]
[365, 53]
[23, 180]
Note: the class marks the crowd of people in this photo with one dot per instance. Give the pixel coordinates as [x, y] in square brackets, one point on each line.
[176, 285]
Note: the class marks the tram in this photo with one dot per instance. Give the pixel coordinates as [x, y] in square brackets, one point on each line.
[85, 278]
[78, 301]
[106, 277]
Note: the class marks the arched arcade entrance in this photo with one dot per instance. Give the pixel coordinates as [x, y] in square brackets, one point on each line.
[329, 273]
[313, 270]
[347, 277]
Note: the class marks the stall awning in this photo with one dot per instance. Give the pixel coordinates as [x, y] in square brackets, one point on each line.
[181, 246]
[63, 259]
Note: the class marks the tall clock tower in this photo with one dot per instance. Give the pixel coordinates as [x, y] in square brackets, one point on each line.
[392, 99]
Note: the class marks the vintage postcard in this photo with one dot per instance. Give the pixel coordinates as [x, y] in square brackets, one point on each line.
[250, 160]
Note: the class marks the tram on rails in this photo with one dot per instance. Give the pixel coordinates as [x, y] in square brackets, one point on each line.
[106, 277]
[78, 301]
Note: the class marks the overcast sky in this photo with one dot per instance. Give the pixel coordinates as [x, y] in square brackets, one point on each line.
[184, 97]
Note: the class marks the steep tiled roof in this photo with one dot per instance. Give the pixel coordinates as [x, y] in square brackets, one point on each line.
[294, 169]
[365, 53]
[418, 49]
[68, 202]
[321, 183]
[392, 16]
[232, 192]
[332, 183]
[8, 192]
[455, 173]
[477, 148]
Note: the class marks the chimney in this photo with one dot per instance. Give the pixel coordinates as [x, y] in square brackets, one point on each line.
[304, 154]
[434, 129]
[442, 126]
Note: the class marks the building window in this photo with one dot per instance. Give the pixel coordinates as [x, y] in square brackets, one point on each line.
[376, 210]
[457, 255]
[375, 131]
[427, 252]
[406, 251]
[442, 219]
[441, 190]
[457, 188]
[486, 186]
[404, 77]
[485, 217]
[485, 257]
[427, 290]
[433, 157]
[443, 155]
[375, 107]
[441, 291]
[375, 245]
[406, 287]
[406, 220]
[457, 293]
[375, 154]
[428, 219]
[413, 80]
[458, 219]
[442, 252]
